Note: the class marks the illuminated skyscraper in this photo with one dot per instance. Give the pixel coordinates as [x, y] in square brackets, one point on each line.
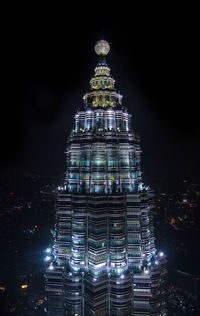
[104, 260]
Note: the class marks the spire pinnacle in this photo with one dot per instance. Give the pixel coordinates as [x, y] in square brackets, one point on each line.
[103, 93]
[102, 48]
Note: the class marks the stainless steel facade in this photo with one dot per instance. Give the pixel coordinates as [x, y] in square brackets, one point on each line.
[103, 260]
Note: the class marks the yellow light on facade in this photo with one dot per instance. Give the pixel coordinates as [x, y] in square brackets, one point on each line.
[112, 178]
[24, 286]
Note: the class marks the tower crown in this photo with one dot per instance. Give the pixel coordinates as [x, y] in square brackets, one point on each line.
[103, 93]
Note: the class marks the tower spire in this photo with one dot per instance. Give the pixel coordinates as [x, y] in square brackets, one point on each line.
[102, 49]
[103, 93]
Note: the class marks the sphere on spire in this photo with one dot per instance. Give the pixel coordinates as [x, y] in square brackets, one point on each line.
[102, 48]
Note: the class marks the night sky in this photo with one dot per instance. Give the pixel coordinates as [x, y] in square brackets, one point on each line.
[49, 60]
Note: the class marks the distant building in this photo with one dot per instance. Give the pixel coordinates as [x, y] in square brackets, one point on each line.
[187, 284]
[104, 260]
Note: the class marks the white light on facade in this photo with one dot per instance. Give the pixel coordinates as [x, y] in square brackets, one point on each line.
[76, 268]
[47, 258]
[51, 267]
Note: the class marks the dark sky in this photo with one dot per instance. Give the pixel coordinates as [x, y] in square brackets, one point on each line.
[49, 59]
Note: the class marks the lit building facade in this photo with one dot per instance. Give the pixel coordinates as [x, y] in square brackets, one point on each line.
[103, 260]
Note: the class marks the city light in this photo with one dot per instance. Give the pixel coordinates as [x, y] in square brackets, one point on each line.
[48, 250]
[2, 288]
[161, 254]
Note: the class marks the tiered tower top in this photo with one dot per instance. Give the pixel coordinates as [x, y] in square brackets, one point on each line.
[102, 86]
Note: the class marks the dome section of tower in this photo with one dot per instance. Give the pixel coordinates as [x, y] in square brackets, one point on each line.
[102, 48]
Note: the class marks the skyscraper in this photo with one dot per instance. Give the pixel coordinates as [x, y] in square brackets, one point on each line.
[103, 260]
